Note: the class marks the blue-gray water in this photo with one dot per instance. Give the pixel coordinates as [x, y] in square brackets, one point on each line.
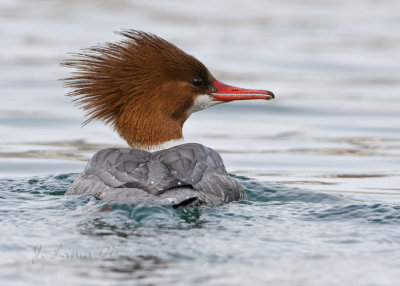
[321, 163]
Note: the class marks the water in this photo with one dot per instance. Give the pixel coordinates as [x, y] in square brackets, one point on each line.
[320, 163]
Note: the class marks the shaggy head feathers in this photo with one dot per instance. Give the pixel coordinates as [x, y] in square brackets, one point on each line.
[126, 84]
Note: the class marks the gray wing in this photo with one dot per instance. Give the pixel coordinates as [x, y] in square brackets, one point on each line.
[202, 167]
[184, 173]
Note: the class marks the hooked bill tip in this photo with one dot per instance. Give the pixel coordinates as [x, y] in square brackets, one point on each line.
[270, 95]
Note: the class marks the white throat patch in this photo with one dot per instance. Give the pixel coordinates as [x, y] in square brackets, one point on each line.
[203, 101]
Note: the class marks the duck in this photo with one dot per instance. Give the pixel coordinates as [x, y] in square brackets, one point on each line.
[145, 88]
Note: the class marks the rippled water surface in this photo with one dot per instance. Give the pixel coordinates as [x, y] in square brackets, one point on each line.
[320, 164]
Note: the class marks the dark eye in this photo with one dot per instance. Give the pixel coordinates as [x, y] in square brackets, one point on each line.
[197, 81]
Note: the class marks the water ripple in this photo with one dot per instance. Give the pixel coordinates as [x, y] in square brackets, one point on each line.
[278, 224]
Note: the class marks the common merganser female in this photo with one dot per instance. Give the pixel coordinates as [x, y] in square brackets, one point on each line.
[146, 88]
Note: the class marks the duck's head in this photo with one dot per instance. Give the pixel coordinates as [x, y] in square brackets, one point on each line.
[146, 88]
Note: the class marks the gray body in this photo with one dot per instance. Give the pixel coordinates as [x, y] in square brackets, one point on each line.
[178, 176]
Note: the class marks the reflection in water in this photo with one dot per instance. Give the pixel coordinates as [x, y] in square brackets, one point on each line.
[134, 267]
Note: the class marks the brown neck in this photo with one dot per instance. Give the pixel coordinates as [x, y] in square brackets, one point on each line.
[145, 126]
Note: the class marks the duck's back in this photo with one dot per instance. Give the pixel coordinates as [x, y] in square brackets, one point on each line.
[184, 174]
